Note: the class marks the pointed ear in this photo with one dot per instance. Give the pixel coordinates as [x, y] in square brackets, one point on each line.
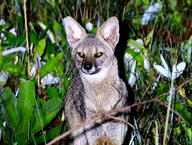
[75, 33]
[109, 31]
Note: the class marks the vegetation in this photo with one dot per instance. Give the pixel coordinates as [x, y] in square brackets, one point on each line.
[36, 68]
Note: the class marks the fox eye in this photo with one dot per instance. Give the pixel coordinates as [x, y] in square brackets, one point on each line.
[98, 54]
[81, 54]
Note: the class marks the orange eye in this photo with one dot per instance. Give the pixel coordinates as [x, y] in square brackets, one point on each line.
[81, 54]
[98, 54]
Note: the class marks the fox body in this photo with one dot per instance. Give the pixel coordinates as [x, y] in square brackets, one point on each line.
[97, 87]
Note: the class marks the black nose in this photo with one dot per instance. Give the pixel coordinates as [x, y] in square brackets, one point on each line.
[87, 66]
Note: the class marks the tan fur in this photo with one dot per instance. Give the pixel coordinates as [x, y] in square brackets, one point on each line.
[96, 88]
[104, 140]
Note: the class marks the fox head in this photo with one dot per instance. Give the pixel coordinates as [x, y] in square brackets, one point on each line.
[93, 54]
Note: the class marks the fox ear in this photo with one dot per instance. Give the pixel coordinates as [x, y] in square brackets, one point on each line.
[109, 31]
[75, 33]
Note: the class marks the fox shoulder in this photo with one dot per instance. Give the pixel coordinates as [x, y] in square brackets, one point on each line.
[74, 99]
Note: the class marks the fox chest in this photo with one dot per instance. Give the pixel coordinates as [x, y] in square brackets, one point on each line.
[102, 99]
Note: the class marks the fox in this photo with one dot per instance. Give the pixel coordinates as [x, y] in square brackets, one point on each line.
[96, 87]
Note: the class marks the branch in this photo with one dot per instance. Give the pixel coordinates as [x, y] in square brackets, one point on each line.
[114, 111]
[177, 113]
[103, 116]
[121, 120]
[180, 86]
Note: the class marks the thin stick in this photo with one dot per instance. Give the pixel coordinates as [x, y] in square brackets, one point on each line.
[100, 117]
[112, 112]
[156, 133]
[27, 37]
[180, 86]
[121, 120]
[168, 112]
[161, 103]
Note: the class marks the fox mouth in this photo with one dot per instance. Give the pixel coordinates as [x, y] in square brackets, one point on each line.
[90, 72]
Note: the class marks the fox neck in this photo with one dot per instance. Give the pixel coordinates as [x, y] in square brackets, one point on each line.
[101, 90]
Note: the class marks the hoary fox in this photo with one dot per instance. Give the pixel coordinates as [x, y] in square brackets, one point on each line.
[97, 87]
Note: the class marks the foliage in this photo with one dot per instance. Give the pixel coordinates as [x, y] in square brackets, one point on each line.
[34, 80]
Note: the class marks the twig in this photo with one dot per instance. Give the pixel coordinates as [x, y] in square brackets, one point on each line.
[180, 86]
[100, 117]
[114, 111]
[161, 103]
[156, 133]
[26, 27]
[168, 111]
[121, 120]
[27, 38]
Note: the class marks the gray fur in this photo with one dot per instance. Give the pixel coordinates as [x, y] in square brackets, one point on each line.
[98, 89]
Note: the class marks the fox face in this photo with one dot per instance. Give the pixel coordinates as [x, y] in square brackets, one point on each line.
[93, 54]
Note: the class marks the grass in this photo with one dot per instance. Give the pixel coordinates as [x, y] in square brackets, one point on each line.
[167, 35]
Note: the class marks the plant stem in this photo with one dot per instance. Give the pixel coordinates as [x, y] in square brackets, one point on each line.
[156, 134]
[27, 38]
[168, 112]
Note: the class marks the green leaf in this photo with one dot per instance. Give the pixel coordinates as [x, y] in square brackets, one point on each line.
[53, 92]
[12, 68]
[136, 55]
[49, 135]
[20, 23]
[147, 39]
[10, 38]
[56, 27]
[184, 112]
[9, 103]
[133, 43]
[6, 25]
[0, 52]
[33, 38]
[40, 47]
[189, 133]
[172, 4]
[26, 103]
[46, 114]
[94, 30]
[51, 65]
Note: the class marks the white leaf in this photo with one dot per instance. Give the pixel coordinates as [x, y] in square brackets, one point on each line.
[33, 72]
[128, 57]
[165, 64]
[2, 22]
[49, 79]
[49, 33]
[13, 50]
[181, 66]
[146, 64]
[3, 77]
[163, 71]
[128, 60]
[151, 12]
[178, 70]
[133, 67]
[132, 78]
[13, 31]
